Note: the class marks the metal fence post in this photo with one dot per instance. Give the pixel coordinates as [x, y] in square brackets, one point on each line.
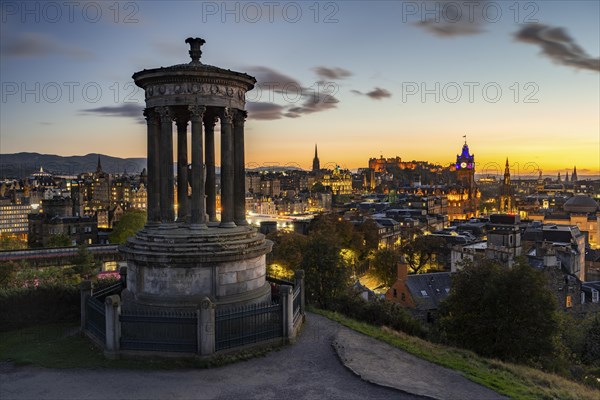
[299, 278]
[85, 289]
[287, 308]
[206, 327]
[112, 308]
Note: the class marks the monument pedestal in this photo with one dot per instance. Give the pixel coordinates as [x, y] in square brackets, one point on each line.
[177, 266]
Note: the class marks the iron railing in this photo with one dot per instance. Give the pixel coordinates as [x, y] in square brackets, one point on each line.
[95, 318]
[250, 324]
[101, 294]
[296, 303]
[170, 331]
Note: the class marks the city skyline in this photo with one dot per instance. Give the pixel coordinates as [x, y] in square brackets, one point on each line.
[364, 80]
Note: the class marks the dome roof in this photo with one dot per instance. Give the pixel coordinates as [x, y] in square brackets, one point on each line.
[581, 204]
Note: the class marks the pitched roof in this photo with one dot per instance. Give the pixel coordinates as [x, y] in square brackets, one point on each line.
[427, 290]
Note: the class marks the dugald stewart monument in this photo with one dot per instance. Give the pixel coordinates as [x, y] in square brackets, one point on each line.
[177, 260]
[194, 283]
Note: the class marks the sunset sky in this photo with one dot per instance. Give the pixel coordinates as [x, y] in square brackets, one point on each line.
[67, 88]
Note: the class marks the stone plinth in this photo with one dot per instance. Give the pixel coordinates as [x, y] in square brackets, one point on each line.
[178, 266]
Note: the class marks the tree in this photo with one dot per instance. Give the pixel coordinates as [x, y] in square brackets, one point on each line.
[370, 232]
[84, 264]
[131, 222]
[288, 249]
[59, 240]
[591, 353]
[325, 275]
[12, 242]
[385, 267]
[419, 252]
[498, 312]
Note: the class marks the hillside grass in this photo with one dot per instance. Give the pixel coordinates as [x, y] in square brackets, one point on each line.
[62, 346]
[512, 380]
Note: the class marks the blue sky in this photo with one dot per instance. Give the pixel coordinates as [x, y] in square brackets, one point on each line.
[67, 87]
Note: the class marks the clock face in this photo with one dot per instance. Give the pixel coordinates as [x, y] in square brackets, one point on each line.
[463, 164]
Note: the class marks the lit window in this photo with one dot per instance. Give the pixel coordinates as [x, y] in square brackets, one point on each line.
[424, 293]
[569, 302]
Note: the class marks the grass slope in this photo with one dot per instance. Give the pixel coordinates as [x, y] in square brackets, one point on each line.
[61, 346]
[515, 381]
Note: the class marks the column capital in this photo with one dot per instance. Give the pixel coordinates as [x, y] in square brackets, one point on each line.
[196, 112]
[239, 116]
[210, 119]
[226, 115]
[150, 115]
[165, 113]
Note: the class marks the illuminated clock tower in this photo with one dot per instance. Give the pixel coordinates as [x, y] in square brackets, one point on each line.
[465, 168]
[463, 196]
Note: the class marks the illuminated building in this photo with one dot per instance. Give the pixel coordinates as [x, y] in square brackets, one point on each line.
[506, 195]
[463, 197]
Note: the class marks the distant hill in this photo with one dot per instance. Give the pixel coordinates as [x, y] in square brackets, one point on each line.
[21, 165]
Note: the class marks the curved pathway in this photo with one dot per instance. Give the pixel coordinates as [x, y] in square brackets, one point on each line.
[310, 369]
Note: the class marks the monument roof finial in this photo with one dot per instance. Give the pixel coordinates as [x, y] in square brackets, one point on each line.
[195, 52]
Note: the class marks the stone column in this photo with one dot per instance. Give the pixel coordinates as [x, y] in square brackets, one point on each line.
[182, 172]
[206, 327]
[210, 185]
[227, 182]
[152, 166]
[112, 309]
[239, 170]
[198, 197]
[286, 300]
[167, 181]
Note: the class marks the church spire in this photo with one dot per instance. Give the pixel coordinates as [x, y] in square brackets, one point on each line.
[574, 174]
[316, 164]
[506, 173]
[99, 167]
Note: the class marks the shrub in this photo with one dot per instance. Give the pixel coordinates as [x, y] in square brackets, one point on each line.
[27, 306]
[377, 312]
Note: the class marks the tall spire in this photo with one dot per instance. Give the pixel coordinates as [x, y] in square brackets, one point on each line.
[316, 164]
[507, 173]
[99, 167]
[574, 174]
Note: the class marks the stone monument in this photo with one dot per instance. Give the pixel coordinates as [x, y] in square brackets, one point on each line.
[175, 261]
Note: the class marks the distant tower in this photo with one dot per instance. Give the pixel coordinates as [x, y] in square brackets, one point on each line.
[506, 192]
[99, 166]
[558, 178]
[574, 175]
[567, 176]
[316, 164]
[465, 168]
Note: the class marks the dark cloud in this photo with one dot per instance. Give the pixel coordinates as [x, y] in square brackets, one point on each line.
[445, 29]
[557, 45]
[375, 94]
[269, 79]
[452, 18]
[315, 102]
[332, 73]
[124, 110]
[296, 99]
[30, 44]
[264, 111]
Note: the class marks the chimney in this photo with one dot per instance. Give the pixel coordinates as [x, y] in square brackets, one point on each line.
[402, 270]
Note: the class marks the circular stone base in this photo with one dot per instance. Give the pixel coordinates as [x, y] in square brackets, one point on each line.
[176, 266]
